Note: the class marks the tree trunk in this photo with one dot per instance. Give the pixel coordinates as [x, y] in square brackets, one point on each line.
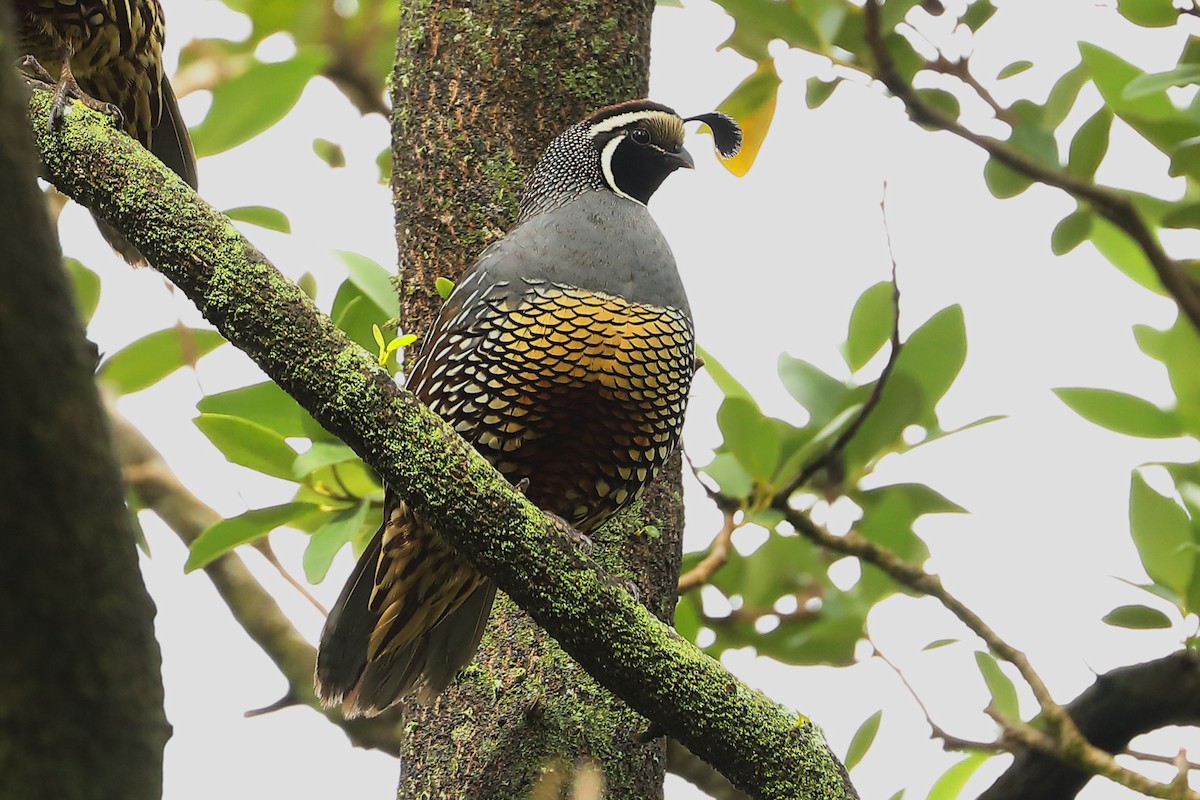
[480, 88]
[81, 698]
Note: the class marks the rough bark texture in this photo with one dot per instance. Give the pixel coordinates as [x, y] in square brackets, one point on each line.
[81, 698]
[479, 90]
[1120, 705]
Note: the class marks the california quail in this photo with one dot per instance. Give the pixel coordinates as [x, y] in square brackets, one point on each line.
[108, 53]
[564, 354]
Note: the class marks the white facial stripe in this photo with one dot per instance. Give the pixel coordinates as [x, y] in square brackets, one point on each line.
[621, 120]
[606, 157]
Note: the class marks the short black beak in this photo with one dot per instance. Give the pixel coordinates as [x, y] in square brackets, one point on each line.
[681, 158]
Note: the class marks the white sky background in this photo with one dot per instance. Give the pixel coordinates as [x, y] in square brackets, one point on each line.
[772, 262]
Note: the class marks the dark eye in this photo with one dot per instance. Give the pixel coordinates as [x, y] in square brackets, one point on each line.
[640, 135]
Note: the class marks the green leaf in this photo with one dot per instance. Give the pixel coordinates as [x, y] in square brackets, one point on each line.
[1180, 353]
[1004, 694]
[942, 101]
[1120, 412]
[1124, 254]
[1153, 115]
[1183, 75]
[861, 742]
[308, 285]
[227, 534]
[329, 152]
[939, 643]
[1062, 97]
[444, 287]
[1003, 182]
[264, 217]
[1183, 216]
[374, 281]
[822, 395]
[248, 104]
[978, 13]
[1015, 68]
[263, 403]
[818, 91]
[341, 529]
[1150, 13]
[1089, 145]
[894, 12]
[1161, 532]
[248, 444]
[950, 785]
[1137, 617]
[935, 352]
[147, 361]
[356, 314]
[730, 475]
[749, 436]
[729, 385]
[86, 285]
[1070, 231]
[1036, 141]
[871, 324]
[321, 454]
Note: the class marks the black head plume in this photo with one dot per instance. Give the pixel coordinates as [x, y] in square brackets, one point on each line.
[727, 134]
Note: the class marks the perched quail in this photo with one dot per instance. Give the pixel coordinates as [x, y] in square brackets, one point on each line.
[564, 354]
[108, 53]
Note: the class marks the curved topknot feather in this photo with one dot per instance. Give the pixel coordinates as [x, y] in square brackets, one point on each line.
[727, 134]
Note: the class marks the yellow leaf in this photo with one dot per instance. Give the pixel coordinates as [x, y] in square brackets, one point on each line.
[752, 104]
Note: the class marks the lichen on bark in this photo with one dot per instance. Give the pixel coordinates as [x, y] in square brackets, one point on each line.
[479, 90]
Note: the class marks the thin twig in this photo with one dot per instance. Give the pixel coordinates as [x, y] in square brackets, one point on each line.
[839, 444]
[1155, 757]
[718, 554]
[949, 741]
[264, 547]
[961, 69]
[1113, 205]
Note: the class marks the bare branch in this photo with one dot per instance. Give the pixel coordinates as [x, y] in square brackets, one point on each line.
[949, 741]
[718, 554]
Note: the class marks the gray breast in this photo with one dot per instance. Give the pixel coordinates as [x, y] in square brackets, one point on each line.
[598, 241]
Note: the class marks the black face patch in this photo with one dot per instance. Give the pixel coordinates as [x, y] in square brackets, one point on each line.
[639, 169]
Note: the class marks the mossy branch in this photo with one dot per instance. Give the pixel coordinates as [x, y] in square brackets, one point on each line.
[760, 746]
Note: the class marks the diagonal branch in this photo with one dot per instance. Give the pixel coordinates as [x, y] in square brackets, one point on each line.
[760, 746]
[148, 476]
[718, 554]
[1113, 205]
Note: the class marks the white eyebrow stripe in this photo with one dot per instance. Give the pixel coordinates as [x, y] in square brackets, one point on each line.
[606, 156]
[621, 120]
